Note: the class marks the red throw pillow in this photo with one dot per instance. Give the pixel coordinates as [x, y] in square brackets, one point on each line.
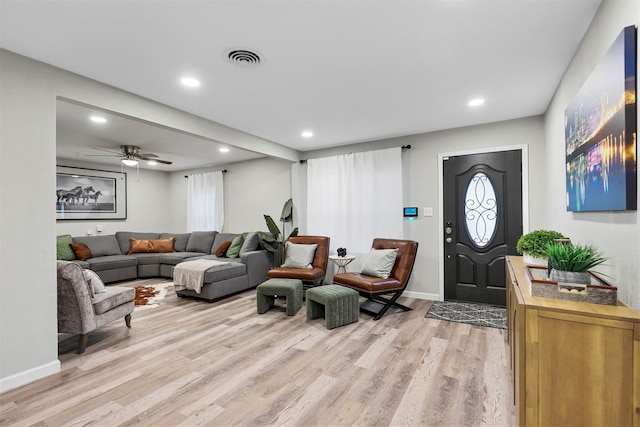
[222, 249]
[81, 251]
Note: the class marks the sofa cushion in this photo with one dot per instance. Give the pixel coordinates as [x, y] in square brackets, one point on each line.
[64, 251]
[225, 272]
[174, 258]
[81, 251]
[201, 241]
[100, 245]
[180, 245]
[234, 248]
[149, 258]
[112, 262]
[114, 297]
[124, 236]
[151, 246]
[222, 249]
[251, 242]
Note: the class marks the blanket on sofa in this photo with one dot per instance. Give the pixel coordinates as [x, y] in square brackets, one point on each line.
[190, 274]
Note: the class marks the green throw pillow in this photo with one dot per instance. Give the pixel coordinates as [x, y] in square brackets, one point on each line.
[236, 245]
[65, 253]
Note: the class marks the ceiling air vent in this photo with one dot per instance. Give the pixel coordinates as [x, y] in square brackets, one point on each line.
[243, 57]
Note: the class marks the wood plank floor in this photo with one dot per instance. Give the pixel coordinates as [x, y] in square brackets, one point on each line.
[189, 362]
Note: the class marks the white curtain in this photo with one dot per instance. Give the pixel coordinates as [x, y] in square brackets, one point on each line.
[205, 202]
[354, 198]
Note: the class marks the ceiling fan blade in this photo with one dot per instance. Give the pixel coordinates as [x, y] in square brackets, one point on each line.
[147, 155]
[119, 153]
[104, 155]
[165, 162]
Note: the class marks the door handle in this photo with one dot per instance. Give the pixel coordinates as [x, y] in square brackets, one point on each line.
[449, 240]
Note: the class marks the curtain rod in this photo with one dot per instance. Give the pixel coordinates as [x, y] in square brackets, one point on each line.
[223, 171]
[404, 147]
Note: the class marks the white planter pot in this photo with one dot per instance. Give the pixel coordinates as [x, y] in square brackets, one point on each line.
[531, 260]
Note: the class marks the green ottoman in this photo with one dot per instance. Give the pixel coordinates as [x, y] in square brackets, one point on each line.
[289, 288]
[338, 304]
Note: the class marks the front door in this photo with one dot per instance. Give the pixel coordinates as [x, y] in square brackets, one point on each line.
[482, 223]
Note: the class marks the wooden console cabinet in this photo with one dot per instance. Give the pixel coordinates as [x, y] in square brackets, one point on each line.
[573, 363]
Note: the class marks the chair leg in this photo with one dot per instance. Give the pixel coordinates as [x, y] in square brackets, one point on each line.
[83, 339]
[387, 304]
[127, 320]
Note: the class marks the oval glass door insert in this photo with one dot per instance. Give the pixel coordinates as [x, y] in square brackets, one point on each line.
[480, 210]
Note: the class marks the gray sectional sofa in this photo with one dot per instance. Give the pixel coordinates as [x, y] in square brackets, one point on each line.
[113, 263]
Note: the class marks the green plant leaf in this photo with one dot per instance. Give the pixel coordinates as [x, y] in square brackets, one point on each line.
[575, 258]
[294, 232]
[535, 242]
[271, 225]
[287, 211]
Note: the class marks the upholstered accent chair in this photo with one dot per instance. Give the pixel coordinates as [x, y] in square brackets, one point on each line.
[80, 311]
[375, 287]
[309, 276]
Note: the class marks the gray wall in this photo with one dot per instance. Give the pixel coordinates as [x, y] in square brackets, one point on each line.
[617, 234]
[421, 183]
[28, 93]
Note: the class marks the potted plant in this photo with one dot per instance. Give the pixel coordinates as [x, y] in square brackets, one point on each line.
[533, 245]
[571, 263]
[274, 241]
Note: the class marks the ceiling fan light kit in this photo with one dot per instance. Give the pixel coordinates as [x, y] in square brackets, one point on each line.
[129, 162]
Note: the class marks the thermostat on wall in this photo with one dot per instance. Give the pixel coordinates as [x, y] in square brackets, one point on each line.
[412, 211]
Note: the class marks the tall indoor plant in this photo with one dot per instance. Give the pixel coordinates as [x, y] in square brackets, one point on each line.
[274, 240]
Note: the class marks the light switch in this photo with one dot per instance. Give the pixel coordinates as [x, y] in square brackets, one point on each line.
[427, 211]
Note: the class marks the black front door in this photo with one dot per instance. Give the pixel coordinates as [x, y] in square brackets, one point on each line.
[482, 223]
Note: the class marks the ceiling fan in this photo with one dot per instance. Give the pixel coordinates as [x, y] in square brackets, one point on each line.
[130, 154]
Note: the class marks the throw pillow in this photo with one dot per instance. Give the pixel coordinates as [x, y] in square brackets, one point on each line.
[234, 248]
[223, 249]
[299, 255]
[151, 246]
[95, 281]
[64, 252]
[201, 241]
[379, 263]
[251, 242]
[81, 251]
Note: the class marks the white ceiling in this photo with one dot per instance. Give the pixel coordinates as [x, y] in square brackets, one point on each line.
[349, 70]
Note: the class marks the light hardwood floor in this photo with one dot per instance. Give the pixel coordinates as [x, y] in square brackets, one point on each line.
[189, 362]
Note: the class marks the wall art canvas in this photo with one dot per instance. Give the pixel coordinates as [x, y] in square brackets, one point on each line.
[90, 194]
[600, 134]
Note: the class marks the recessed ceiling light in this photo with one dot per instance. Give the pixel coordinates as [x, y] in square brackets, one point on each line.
[224, 150]
[307, 134]
[190, 82]
[476, 102]
[98, 119]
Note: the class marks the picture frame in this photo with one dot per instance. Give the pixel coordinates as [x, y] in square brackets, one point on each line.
[600, 134]
[90, 194]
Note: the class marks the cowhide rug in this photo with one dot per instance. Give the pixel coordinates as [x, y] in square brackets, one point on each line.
[150, 294]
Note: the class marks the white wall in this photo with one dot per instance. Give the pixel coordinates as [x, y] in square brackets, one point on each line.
[420, 186]
[28, 93]
[617, 234]
[251, 189]
[148, 204]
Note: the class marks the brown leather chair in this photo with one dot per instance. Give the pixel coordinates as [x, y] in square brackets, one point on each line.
[309, 276]
[374, 287]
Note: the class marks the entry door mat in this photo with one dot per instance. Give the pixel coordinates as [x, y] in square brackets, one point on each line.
[474, 314]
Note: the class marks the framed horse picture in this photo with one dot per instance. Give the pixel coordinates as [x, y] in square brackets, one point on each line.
[89, 194]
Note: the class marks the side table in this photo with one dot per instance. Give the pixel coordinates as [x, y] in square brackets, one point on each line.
[341, 262]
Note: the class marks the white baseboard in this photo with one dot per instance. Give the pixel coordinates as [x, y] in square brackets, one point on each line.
[421, 295]
[25, 377]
